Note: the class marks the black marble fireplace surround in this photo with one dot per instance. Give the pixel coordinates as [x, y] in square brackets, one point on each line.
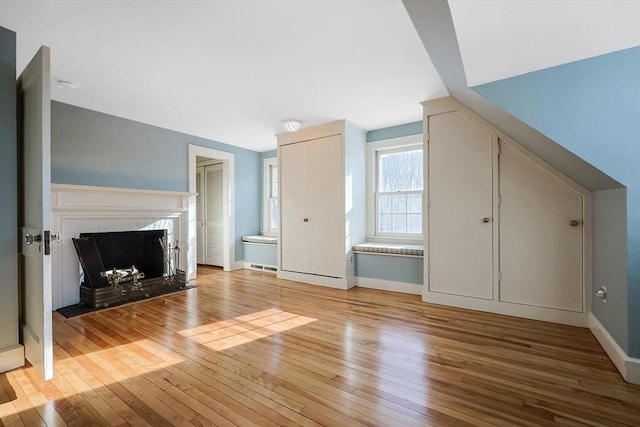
[99, 252]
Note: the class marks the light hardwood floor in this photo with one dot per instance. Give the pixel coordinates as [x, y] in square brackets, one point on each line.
[247, 349]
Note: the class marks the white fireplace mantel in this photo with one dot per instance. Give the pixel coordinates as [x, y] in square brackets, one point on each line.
[79, 209]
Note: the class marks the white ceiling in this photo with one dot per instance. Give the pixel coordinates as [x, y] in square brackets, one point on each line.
[504, 38]
[231, 71]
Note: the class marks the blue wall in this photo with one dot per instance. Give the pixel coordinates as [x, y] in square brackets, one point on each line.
[592, 108]
[261, 254]
[393, 268]
[9, 191]
[92, 148]
[406, 129]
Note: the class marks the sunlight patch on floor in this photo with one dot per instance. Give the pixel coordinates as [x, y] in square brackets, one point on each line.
[244, 329]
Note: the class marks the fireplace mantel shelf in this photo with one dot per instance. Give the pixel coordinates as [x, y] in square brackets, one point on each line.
[81, 188]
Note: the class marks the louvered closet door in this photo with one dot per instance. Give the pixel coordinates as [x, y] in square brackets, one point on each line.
[213, 216]
[200, 215]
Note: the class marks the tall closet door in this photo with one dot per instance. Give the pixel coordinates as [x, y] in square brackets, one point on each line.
[460, 220]
[200, 215]
[294, 207]
[213, 216]
[327, 217]
[541, 236]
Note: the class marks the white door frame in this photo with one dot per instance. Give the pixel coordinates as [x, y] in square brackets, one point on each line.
[228, 223]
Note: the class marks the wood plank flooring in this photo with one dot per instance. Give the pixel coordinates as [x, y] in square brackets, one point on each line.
[246, 349]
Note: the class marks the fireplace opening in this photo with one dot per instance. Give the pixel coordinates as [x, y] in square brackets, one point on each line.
[100, 252]
[123, 266]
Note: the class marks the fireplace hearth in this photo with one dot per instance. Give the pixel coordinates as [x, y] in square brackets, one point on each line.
[126, 266]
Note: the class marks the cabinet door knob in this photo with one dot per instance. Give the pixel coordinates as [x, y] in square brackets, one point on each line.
[574, 223]
[305, 219]
[485, 220]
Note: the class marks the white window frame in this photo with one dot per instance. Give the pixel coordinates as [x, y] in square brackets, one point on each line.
[266, 193]
[373, 148]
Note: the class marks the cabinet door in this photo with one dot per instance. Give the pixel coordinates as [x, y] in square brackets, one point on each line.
[326, 205]
[200, 215]
[294, 207]
[540, 247]
[460, 185]
[214, 253]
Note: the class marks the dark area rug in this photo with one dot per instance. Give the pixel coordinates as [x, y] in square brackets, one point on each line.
[79, 309]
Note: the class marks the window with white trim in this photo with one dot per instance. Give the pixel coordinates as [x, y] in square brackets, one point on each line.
[270, 191]
[395, 189]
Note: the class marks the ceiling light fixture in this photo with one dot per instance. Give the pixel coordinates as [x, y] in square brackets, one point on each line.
[67, 85]
[291, 125]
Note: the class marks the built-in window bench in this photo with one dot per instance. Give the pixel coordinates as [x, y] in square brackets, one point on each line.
[260, 253]
[390, 267]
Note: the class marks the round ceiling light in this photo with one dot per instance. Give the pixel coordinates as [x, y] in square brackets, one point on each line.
[291, 125]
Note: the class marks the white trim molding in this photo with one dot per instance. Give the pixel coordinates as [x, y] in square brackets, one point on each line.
[11, 358]
[629, 367]
[313, 279]
[228, 206]
[266, 193]
[388, 285]
[237, 265]
[372, 148]
[79, 209]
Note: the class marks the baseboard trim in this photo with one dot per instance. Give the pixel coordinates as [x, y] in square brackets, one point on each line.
[237, 265]
[11, 358]
[388, 285]
[629, 367]
[312, 279]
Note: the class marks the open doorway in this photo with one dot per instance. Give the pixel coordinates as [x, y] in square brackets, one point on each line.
[209, 212]
[213, 229]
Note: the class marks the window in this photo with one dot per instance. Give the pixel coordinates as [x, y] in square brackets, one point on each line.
[270, 189]
[395, 189]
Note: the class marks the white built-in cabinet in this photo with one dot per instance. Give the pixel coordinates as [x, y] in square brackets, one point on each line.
[209, 212]
[321, 199]
[504, 231]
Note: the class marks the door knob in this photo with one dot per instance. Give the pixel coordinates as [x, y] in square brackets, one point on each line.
[485, 220]
[574, 223]
[30, 238]
[305, 219]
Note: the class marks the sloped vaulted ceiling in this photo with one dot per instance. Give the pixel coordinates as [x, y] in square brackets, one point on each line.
[502, 38]
[434, 23]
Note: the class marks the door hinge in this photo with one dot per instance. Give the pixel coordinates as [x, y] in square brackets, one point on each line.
[428, 202]
[499, 277]
[499, 199]
[499, 148]
[428, 135]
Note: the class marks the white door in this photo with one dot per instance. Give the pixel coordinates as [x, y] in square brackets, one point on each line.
[541, 236]
[460, 219]
[34, 113]
[200, 215]
[214, 240]
[326, 209]
[294, 207]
